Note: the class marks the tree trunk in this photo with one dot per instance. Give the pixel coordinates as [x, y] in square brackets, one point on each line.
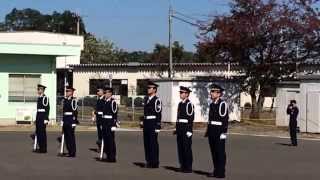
[254, 106]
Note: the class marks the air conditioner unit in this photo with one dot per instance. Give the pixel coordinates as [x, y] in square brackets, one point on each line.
[24, 115]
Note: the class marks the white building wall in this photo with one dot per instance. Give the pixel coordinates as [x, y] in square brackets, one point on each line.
[309, 117]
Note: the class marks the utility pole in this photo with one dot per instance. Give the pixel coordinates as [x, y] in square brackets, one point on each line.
[78, 24]
[170, 73]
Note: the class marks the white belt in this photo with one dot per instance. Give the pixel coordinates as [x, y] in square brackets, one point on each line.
[100, 113]
[68, 113]
[183, 120]
[41, 110]
[150, 117]
[217, 123]
[107, 117]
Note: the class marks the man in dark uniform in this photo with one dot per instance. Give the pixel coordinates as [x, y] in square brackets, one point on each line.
[151, 125]
[293, 112]
[98, 113]
[70, 121]
[42, 119]
[109, 124]
[216, 131]
[184, 126]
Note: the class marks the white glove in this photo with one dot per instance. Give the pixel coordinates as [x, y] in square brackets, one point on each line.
[223, 136]
[118, 124]
[93, 118]
[46, 122]
[189, 134]
[113, 129]
[61, 123]
[157, 130]
[73, 125]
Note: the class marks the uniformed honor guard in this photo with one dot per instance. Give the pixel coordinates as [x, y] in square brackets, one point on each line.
[216, 131]
[42, 119]
[70, 121]
[293, 112]
[98, 113]
[151, 125]
[109, 124]
[184, 126]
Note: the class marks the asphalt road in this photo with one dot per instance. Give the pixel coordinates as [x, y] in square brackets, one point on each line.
[256, 158]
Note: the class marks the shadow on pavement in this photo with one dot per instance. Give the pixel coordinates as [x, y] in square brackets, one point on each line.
[202, 173]
[171, 168]
[284, 144]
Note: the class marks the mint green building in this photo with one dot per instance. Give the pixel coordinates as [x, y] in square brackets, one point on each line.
[27, 59]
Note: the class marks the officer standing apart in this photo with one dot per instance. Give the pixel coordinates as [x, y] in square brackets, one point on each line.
[216, 131]
[42, 119]
[109, 125]
[184, 126]
[293, 112]
[70, 121]
[98, 113]
[151, 125]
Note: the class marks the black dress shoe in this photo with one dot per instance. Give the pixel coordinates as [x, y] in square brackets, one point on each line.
[42, 151]
[111, 160]
[186, 171]
[220, 176]
[71, 155]
[32, 136]
[152, 166]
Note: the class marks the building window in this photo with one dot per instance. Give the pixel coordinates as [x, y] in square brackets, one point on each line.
[120, 86]
[142, 87]
[23, 87]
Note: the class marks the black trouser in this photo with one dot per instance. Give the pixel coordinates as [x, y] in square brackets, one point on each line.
[218, 153]
[109, 140]
[70, 139]
[293, 131]
[184, 144]
[151, 146]
[41, 135]
[99, 127]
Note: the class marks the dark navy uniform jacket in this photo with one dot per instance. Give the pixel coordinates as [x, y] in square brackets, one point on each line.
[99, 108]
[293, 112]
[110, 112]
[152, 113]
[43, 108]
[70, 111]
[185, 116]
[218, 117]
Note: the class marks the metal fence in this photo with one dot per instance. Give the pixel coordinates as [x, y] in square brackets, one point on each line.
[128, 111]
[132, 111]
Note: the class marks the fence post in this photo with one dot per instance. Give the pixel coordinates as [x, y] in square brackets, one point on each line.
[82, 109]
[133, 107]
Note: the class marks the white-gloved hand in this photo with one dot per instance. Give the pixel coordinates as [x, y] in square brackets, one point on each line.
[61, 123]
[189, 134]
[157, 130]
[113, 129]
[46, 122]
[223, 136]
[73, 125]
[118, 124]
[93, 118]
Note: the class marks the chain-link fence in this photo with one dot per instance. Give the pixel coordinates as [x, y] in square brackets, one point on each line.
[128, 111]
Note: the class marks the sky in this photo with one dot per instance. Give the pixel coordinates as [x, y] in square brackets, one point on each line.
[130, 24]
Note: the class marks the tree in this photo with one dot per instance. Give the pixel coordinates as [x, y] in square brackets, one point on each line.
[160, 53]
[98, 51]
[32, 20]
[267, 38]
